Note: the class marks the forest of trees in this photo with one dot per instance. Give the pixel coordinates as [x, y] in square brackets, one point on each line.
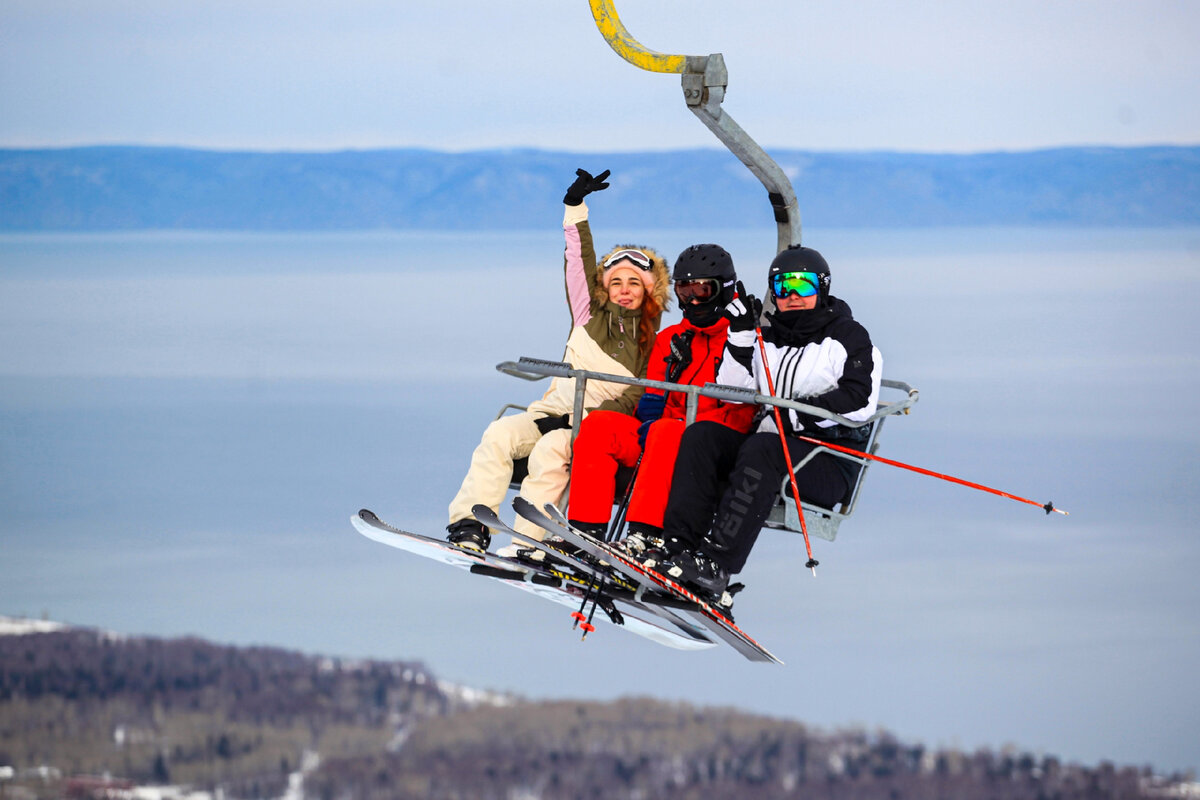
[150, 711]
[187, 711]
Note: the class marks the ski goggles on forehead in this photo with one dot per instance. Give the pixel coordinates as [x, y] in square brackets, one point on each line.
[636, 256]
[804, 284]
[698, 290]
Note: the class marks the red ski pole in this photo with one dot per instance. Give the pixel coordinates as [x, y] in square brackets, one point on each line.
[787, 456]
[1047, 507]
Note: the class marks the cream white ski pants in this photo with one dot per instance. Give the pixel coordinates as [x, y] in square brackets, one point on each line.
[506, 439]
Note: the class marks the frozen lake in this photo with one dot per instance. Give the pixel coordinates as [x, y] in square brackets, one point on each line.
[187, 422]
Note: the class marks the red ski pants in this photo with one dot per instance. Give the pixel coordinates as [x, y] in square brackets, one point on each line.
[608, 440]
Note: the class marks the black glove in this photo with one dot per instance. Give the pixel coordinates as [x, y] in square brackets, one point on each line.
[680, 357]
[584, 185]
[547, 424]
[744, 311]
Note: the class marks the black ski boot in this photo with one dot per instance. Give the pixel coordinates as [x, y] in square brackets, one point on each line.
[469, 534]
[660, 552]
[696, 570]
[596, 530]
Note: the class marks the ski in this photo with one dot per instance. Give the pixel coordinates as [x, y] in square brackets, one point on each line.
[370, 525]
[557, 586]
[580, 571]
[717, 623]
[584, 570]
[586, 574]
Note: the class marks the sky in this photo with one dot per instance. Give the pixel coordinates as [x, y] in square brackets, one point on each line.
[468, 74]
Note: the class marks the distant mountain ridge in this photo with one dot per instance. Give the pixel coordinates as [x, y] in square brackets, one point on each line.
[157, 188]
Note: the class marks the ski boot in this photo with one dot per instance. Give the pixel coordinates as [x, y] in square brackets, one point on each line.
[660, 552]
[469, 534]
[698, 572]
[641, 539]
[595, 530]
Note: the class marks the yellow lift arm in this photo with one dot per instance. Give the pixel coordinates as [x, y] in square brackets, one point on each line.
[704, 82]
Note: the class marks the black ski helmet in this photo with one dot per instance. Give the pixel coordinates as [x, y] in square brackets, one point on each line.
[706, 261]
[797, 258]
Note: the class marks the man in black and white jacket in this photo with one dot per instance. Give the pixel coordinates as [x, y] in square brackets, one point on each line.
[817, 354]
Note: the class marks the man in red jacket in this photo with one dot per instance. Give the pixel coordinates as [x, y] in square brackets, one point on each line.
[688, 353]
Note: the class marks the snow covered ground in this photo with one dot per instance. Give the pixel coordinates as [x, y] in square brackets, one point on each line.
[16, 626]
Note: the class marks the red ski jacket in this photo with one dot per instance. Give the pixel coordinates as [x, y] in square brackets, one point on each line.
[707, 348]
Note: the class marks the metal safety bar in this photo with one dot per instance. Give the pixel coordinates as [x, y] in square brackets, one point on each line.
[532, 369]
[704, 81]
[821, 522]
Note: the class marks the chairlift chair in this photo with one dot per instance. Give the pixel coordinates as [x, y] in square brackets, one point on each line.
[821, 522]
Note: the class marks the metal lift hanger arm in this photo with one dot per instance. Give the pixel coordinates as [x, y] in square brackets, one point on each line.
[704, 82]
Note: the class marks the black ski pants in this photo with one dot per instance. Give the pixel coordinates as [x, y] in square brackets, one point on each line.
[725, 483]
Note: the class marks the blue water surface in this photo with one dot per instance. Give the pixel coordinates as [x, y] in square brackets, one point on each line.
[188, 420]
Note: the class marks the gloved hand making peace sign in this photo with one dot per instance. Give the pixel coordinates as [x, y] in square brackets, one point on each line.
[742, 312]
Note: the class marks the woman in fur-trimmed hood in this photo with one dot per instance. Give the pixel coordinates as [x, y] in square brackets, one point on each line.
[616, 307]
[656, 280]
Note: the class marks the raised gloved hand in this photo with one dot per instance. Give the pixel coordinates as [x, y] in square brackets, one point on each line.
[584, 185]
[547, 424]
[743, 311]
